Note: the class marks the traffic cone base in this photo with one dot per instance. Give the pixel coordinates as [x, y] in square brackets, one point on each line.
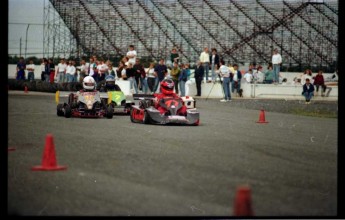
[43, 168]
[262, 117]
[243, 202]
[49, 162]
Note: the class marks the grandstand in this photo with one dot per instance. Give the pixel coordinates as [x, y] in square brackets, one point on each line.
[305, 32]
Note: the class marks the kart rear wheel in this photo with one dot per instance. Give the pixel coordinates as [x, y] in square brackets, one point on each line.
[109, 112]
[131, 115]
[147, 118]
[68, 111]
[59, 111]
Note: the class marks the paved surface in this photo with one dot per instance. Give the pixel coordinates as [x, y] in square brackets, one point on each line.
[119, 168]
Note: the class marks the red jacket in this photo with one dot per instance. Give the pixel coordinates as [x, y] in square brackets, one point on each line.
[318, 80]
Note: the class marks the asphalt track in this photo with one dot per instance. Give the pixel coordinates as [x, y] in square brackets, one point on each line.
[119, 168]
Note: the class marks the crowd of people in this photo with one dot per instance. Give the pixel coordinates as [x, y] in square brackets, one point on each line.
[147, 80]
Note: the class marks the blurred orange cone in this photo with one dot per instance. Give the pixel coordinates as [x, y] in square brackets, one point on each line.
[49, 159]
[262, 117]
[243, 202]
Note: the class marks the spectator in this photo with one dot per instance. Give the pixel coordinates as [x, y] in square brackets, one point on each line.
[102, 70]
[182, 79]
[61, 71]
[188, 83]
[43, 66]
[205, 60]
[83, 70]
[199, 76]
[21, 66]
[161, 71]
[236, 82]
[307, 74]
[131, 55]
[124, 71]
[175, 73]
[111, 69]
[140, 76]
[319, 81]
[93, 72]
[214, 58]
[70, 71]
[308, 91]
[224, 72]
[46, 70]
[269, 75]
[276, 61]
[130, 73]
[31, 71]
[51, 70]
[259, 76]
[174, 56]
[151, 77]
[248, 76]
[119, 69]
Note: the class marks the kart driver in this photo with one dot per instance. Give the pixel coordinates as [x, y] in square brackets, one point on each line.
[88, 84]
[110, 84]
[167, 89]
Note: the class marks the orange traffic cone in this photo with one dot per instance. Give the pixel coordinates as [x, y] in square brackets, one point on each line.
[49, 159]
[262, 117]
[243, 203]
[26, 89]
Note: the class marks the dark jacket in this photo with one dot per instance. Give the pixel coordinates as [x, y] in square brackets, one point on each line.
[199, 72]
[305, 89]
[216, 60]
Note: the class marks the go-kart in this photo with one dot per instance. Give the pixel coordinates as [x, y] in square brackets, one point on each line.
[117, 100]
[168, 110]
[84, 104]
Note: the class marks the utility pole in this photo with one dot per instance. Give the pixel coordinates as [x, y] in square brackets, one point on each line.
[20, 47]
[26, 39]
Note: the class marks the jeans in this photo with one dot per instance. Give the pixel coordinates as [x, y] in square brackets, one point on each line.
[276, 70]
[176, 85]
[144, 85]
[133, 83]
[151, 83]
[213, 72]
[31, 76]
[69, 78]
[182, 87]
[46, 77]
[206, 69]
[61, 77]
[226, 88]
[235, 85]
[308, 95]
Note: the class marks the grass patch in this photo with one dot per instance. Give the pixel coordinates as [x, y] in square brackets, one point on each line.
[315, 113]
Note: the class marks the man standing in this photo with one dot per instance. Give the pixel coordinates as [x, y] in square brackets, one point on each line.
[199, 75]
[276, 62]
[31, 71]
[161, 71]
[61, 71]
[21, 66]
[205, 60]
[224, 72]
[214, 58]
[131, 55]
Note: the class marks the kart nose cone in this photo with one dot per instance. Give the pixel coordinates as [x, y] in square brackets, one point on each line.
[89, 105]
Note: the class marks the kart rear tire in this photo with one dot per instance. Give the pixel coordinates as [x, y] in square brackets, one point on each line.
[68, 111]
[147, 118]
[59, 111]
[109, 112]
[131, 115]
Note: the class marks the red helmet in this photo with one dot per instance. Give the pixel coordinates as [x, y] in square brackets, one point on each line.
[167, 86]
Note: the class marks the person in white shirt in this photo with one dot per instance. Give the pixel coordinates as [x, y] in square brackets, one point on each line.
[31, 71]
[259, 76]
[205, 60]
[70, 71]
[307, 75]
[248, 76]
[131, 55]
[224, 72]
[61, 71]
[276, 62]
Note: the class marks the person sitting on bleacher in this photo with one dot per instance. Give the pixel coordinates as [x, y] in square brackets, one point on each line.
[319, 81]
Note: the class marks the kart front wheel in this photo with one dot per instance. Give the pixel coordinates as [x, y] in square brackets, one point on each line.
[59, 111]
[68, 111]
[109, 112]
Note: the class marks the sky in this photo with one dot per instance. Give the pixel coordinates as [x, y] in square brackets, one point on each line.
[25, 12]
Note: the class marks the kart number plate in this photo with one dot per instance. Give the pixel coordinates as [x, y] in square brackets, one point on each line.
[176, 117]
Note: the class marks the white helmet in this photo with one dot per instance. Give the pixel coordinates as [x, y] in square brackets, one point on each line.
[89, 83]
